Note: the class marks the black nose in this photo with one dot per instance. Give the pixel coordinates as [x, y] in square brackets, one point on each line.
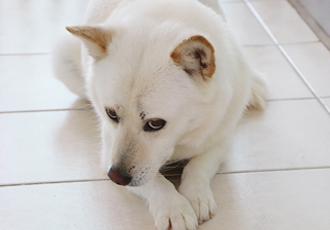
[119, 176]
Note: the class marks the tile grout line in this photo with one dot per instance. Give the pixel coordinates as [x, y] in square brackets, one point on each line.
[175, 175]
[46, 110]
[22, 54]
[288, 43]
[291, 99]
[52, 182]
[284, 53]
[273, 170]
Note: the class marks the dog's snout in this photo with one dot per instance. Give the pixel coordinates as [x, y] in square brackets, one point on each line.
[119, 176]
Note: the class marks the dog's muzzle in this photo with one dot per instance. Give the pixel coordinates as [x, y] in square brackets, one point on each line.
[119, 176]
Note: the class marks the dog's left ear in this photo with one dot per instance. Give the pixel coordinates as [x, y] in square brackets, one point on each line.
[95, 38]
[196, 56]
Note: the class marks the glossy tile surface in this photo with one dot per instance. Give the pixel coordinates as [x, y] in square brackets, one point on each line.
[288, 134]
[267, 200]
[99, 205]
[283, 81]
[32, 26]
[284, 22]
[272, 200]
[277, 178]
[27, 83]
[313, 60]
[327, 102]
[49, 146]
[246, 28]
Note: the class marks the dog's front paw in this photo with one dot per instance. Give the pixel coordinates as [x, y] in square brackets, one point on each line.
[201, 199]
[175, 214]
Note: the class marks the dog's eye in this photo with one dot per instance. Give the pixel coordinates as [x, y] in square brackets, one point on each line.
[154, 125]
[112, 114]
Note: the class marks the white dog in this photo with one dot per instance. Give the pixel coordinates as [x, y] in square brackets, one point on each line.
[168, 82]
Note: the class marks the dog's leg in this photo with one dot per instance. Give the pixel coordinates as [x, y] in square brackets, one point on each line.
[169, 208]
[196, 178]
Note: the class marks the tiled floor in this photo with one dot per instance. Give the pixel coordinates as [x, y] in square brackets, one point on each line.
[278, 177]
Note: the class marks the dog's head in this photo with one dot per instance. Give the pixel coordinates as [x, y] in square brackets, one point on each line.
[149, 93]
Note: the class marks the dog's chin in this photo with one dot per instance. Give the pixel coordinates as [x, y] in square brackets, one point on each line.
[143, 177]
[139, 181]
[136, 183]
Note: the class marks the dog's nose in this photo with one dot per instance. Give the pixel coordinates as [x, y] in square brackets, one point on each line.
[119, 176]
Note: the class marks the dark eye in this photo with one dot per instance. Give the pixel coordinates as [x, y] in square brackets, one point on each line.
[112, 114]
[154, 125]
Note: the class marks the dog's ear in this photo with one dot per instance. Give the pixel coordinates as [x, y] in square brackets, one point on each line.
[196, 56]
[95, 38]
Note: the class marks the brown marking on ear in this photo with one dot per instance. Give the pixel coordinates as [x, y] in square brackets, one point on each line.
[96, 38]
[196, 56]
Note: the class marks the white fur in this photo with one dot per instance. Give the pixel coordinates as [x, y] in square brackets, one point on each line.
[137, 75]
[66, 62]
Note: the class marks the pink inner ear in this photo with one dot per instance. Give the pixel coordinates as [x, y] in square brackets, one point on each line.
[196, 56]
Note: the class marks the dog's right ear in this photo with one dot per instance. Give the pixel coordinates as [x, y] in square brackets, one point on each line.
[195, 56]
[95, 38]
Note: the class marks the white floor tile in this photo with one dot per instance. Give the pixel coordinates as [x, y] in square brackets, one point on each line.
[89, 205]
[245, 27]
[313, 60]
[273, 200]
[68, 4]
[49, 146]
[327, 102]
[283, 81]
[27, 83]
[283, 21]
[289, 134]
[270, 200]
[33, 26]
